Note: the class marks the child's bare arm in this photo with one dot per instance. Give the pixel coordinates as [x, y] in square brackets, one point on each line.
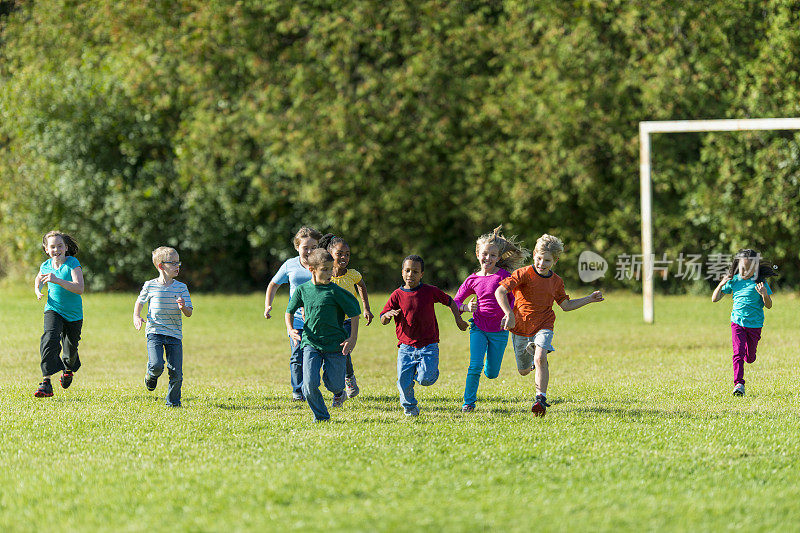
[272, 288]
[350, 343]
[718, 294]
[37, 286]
[74, 286]
[460, 322]
[293, 333]
[185, 309]
[137, 312]
[571, 305]
[762, 290]
[362, 293]
[509, 320]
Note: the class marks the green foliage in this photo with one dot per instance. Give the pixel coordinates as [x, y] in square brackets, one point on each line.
[221, 127]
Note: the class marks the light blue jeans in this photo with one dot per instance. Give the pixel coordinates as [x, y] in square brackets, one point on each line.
[332, 366]
[157, 346]
[416, 364]
[296, 365]
[483, 346]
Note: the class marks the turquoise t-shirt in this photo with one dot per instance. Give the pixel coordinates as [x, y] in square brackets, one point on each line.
[67, 304]
[748, 305]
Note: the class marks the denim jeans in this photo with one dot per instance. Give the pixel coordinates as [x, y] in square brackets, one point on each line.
[416, 364]
[348, 371]
[483, 345]
[296, 364]
[332, 366]
[57, 332]
[157, 345]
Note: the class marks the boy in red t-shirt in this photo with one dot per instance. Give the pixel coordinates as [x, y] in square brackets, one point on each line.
[535, 289]
[411, 306]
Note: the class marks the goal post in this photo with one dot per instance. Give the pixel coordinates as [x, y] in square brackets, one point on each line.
[647, 128]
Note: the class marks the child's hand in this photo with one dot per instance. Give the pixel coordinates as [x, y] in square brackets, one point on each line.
[462, 324]
[508, 321]
[472, 306]
[50, 278]
[181, 302]
[725, 279]
[368, 316]
[137, 322]
[295, 335]
[391, 313]
[761, 289]
[267, 309]
[348, 345]
[596, 296]
[38, 295]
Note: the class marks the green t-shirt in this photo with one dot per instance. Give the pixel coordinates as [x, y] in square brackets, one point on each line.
[325, 308]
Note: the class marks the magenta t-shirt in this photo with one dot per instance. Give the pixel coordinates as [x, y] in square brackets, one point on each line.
[416, 324]
[487, 316]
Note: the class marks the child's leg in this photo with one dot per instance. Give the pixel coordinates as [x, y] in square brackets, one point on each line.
[50, 344]
[333, 370]
[494, 353]
[349, 372]
[312, 363]
[524, 357]
[477, 353]
[155, 354]
[753, 336]
[542, 370]
[70, 336]
[296, 366]
[406, 369]
[174, 350]
[739, 341]
[428, 366]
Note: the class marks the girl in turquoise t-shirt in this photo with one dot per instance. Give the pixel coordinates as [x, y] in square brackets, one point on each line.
[63, 312]
[746, 281]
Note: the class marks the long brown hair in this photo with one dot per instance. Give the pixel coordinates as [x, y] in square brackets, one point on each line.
[69, 242]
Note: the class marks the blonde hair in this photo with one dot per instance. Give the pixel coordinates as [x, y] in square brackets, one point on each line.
[304, 233]
[162, 254]
[549, 243]
[512, 253]
[69, 242]
[319, 257]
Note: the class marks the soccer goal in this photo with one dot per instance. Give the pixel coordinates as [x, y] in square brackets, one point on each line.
[681, 126]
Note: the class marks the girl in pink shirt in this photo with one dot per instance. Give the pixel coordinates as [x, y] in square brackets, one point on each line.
[487, 338]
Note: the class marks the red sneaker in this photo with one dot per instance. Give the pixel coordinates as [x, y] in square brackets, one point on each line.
[45, 389]
[66, 379]
[539, 407]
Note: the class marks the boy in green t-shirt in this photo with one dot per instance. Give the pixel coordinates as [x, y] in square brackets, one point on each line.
[324, 341]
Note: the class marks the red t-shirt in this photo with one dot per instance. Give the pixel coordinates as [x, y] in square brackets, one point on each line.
[416, 324]
[534, 295]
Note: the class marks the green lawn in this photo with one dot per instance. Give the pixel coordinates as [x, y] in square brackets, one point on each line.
[643, 433]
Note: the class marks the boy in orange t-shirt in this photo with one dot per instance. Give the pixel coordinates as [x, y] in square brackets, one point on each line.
[532, 319]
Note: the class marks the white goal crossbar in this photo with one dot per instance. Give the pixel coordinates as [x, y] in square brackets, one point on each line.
[681, 126]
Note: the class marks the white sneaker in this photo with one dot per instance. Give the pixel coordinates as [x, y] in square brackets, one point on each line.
[738, 390]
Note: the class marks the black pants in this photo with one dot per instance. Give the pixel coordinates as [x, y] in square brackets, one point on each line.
[58, 332]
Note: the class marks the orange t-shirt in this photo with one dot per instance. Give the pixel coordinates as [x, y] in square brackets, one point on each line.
[534, 295]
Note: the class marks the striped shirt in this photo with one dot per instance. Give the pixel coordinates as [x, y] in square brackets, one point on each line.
[163, 313]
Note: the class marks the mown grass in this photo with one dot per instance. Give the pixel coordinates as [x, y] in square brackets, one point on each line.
[643, 433]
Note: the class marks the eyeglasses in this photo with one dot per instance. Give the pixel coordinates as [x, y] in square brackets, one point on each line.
[176, 263]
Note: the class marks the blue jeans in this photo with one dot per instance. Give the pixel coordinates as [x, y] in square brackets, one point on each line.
[416, 364]
[296, 365]
[332, 366]
[483, 345]
[157, 344]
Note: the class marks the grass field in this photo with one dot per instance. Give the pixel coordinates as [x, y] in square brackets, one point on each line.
[643, 433]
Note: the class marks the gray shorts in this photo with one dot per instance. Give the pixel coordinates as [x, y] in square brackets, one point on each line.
[525, 347]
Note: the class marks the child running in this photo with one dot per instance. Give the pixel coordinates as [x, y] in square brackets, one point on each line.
[325, 342]
[63, 312]
[532, 319]
[411, 306]
[351, 280]
[166, 300]
[487, 338]
[294, 271]
[746, 281]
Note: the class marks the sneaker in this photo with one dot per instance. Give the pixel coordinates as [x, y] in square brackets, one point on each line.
[338, 399]
[351, 387]
[296, 397]
[414, 411]
[66, 379]
[467, 407]
[45, 389]
[738, 390]
[150, 382]
[540, 406]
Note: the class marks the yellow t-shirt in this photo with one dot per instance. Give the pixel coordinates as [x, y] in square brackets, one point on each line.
[348, 281]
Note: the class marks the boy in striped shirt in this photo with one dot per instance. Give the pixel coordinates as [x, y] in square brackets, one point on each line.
[167, 300]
